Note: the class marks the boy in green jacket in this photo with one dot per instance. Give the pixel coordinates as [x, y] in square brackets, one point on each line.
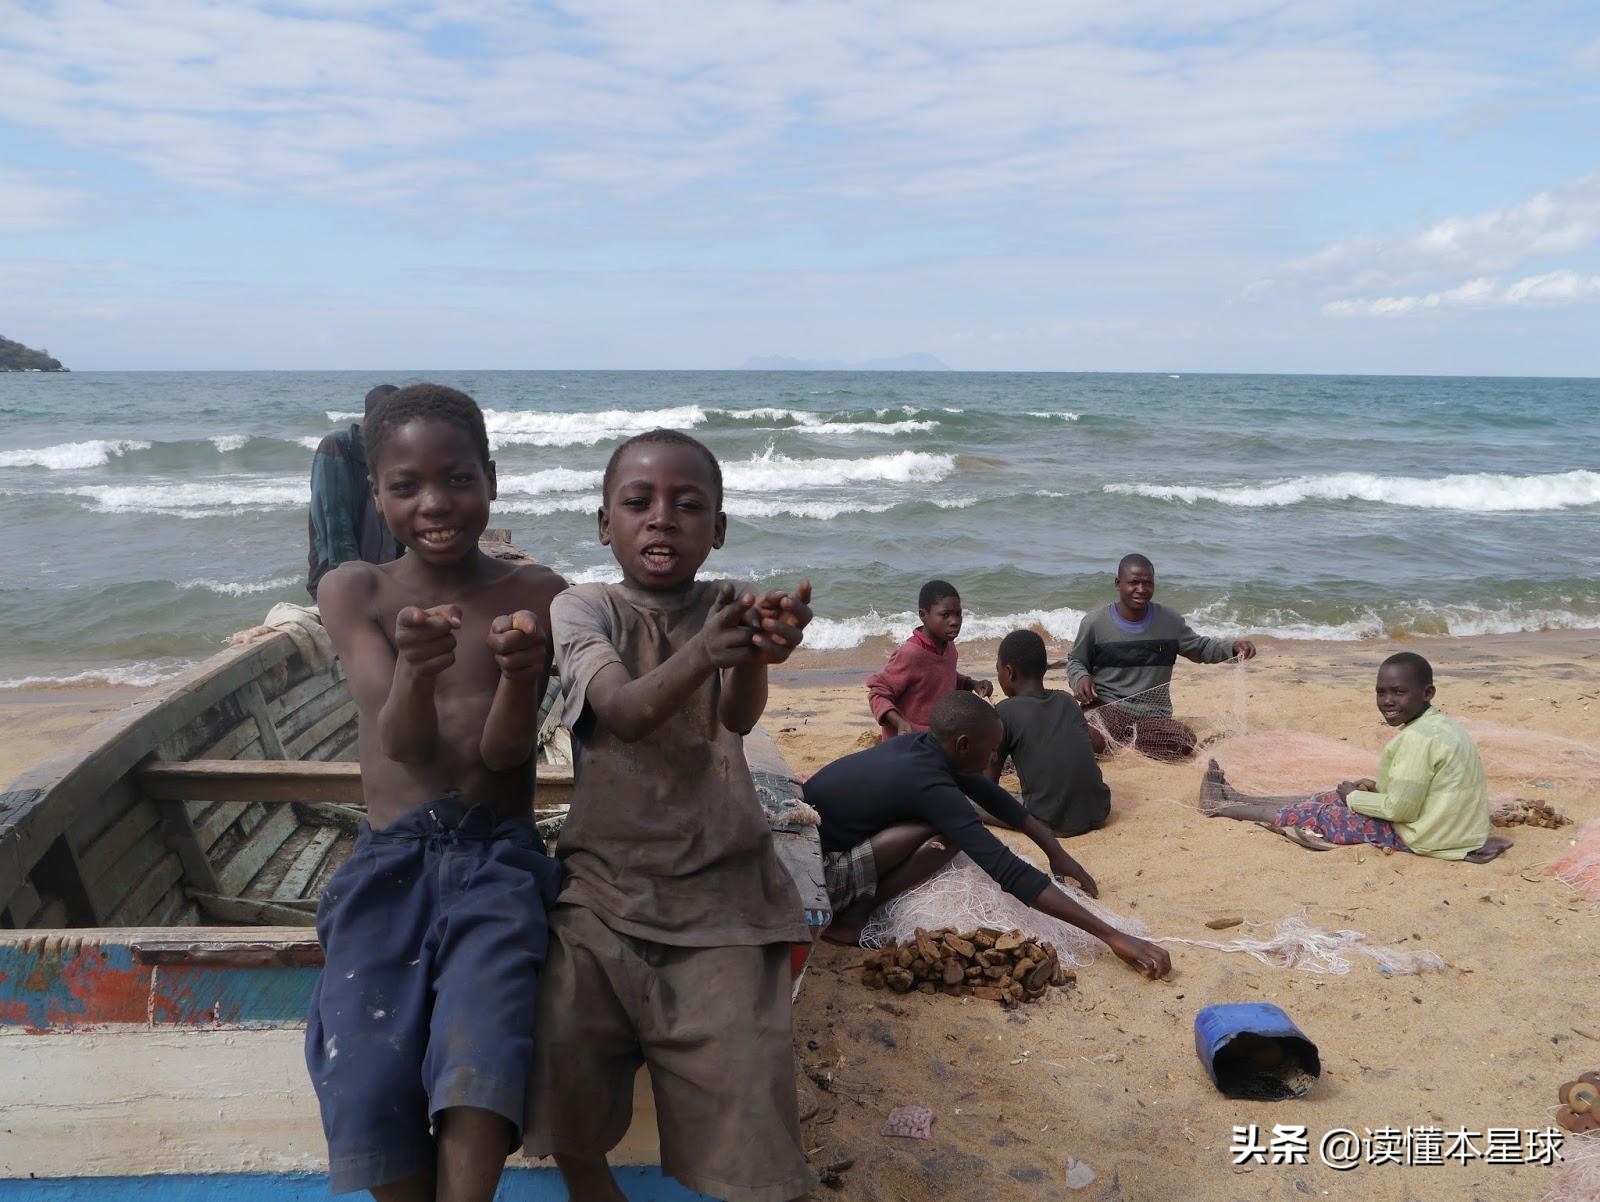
[1430, 796]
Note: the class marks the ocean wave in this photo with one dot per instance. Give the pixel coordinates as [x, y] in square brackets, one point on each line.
[240, 588]
[742, 507]
[769, 470]
[141, 674]
[1418, 619]
[840, 634]
[1480, 492]
[228, 443]
[807, 421]
[1064, 415]
[537, 428]
[73, 456]
[554, 479]
[192, 499]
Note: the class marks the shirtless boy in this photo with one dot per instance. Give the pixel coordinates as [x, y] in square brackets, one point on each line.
[420, 1035]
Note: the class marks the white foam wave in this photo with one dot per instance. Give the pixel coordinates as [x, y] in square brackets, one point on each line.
[907, 427]
[134, 675]
[227, 443]
[72, 456]
[838, 634]
[1064, 415]
[743, 507]
[241, 588]
[554, 479]
[310, 441]
[1416, 619]
[190, 499]
[1480, 492]
[769, 470]
[809, 422]
[545, 506]
[340, 417]
[605, 573]
[537, 428]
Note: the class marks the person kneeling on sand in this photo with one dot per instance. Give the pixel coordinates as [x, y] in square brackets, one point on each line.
[1430, 796]
[1049, 741]
[895, 814]
[1122, 660]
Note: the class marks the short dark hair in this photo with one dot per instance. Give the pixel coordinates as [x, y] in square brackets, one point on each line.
[1420, 668]
[661, 437]
[376, 397]
[425, 401]
[960, 713]
[1024, 651]
[934, 592]
[1134, 560]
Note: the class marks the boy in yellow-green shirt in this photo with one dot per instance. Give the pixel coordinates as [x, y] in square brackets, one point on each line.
[1430, 797]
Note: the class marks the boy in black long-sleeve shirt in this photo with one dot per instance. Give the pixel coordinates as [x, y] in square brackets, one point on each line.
[895, 814]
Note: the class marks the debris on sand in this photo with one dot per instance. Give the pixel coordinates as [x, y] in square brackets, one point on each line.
[909, 1122]
[1523, 812]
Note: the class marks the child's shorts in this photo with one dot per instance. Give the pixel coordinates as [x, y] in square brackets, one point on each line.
[1329, 816]
[715, 1026]
[435, 934]
[850, 875]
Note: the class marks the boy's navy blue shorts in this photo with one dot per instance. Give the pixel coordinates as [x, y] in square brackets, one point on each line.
[435, 936]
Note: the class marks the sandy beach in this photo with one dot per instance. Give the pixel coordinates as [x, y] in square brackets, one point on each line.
[1106, 1071]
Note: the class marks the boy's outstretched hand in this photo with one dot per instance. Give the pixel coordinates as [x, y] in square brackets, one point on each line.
[727, 635]
[983, 688]
[1149, 958]
[778, 620]
[1244, 649]
[519, 645]
[1085, 692]
[426, 638]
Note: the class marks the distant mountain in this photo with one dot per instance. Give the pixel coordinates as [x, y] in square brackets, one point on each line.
[16, 357]
[917, 362]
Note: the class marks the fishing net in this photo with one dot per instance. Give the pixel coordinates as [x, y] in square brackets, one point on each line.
[1144, 723]
[1579, 866]
[1578, 1177]
[1295, 943]
[965, 897]
[1285, 761]
[1541, 760]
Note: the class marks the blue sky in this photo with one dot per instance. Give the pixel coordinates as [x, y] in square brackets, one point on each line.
[1229, 185]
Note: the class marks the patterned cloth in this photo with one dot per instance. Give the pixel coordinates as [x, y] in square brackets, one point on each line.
[850, 875]
[1326, 814]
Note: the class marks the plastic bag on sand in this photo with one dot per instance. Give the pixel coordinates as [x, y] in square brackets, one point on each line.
[909, 1122]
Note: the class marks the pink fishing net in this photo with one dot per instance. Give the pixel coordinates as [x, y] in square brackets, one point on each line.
[1580, 865]
[1145, 724]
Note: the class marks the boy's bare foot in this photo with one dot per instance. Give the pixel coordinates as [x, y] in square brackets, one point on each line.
[1213, 789]
[843, 934]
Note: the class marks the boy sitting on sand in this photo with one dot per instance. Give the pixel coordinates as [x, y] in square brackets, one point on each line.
[420, 1034]
[1046, 736]
[1430, 796]
[895, 814]
[923, 668]
[672, 930]
[1127, 649]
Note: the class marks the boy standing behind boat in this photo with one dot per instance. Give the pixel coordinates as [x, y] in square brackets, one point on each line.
[671, 935]
[421, 1027]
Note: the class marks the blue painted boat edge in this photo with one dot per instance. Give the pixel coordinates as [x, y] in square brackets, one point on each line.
[518, 1185]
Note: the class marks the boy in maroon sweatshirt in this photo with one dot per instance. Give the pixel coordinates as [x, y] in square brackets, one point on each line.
[923, 668]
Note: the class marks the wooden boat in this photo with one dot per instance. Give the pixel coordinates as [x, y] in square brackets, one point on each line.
[158, 885]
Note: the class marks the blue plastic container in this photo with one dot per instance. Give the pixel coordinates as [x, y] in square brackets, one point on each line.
[1254, 1050]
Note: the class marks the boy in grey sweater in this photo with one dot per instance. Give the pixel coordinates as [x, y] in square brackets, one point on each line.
[1123, 657]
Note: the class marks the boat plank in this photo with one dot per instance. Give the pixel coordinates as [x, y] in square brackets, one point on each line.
[255, 704]
[296, 695]
[24, 904]
[215, 821]
[332, 723]
[99, 814]
[277, 781]
[340, 745]
[247, 861]
[253, 910]
[306, 864]
[102, 856]
[138, 907]
[113, 887]
[233, 744]
[265, 882]
[178, 830]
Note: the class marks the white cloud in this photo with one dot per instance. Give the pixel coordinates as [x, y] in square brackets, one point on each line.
[1559, 221]
[940, 101]
[1553, 288]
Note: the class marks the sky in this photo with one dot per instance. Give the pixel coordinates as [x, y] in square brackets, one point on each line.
[1216, 185]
